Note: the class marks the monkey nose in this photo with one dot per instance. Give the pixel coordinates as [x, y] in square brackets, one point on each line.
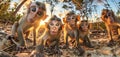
[54, 28]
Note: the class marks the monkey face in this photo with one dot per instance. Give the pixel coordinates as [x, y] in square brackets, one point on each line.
[84, 26]
[54, 27]
[71, 20]
[35, 12]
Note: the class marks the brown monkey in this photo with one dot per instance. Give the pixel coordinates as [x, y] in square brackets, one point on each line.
[84, 33]
[30, 21]
[51, 37]
[110, 20]
[71, 30]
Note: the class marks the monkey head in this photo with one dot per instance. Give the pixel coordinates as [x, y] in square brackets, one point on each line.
[71, 19]
[54, 25]
[107, 16]
[36, 11]
[84, 26]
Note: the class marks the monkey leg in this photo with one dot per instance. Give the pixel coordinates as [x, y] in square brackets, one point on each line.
[38, 52]
[79, 50]
[26, 36]
[21, 36]
[34, 36]
[66, 42]
[111, 42]
[118, 33]
[87, 42]
[14, 29]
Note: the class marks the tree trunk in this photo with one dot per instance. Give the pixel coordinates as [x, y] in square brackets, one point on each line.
[19, 6]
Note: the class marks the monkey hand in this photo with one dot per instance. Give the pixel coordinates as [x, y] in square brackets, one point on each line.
[65, 46]
[111, 43]
[9, 37]
[79, 51]
[57, 51]
[21, 48]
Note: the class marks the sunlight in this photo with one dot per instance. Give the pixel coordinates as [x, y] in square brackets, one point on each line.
[42, 23]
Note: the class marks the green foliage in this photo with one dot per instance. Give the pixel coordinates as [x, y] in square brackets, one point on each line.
[6, 12]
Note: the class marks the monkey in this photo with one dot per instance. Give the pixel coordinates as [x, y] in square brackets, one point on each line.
[84, 33]
[51, 37]
[110, 20]
[29, 22]
[71, 30]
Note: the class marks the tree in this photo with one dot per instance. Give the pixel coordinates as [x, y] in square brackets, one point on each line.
[6, 12]
[19, 6]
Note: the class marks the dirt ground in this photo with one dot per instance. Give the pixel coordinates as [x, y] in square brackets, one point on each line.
[100, 43]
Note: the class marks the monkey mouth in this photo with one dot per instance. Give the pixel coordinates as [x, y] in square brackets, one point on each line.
[85, 29]
[53, 32]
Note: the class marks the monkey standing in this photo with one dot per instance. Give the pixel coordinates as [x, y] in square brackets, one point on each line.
[110, 20]
[84, 33]
[30, 21]
[71, 30]
[50, 37]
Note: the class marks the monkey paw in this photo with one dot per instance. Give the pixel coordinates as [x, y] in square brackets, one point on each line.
[90, 46]
[79, 51]
[9, 37]
[65, 47]
[28, 40]
[21, 48]
[111, 43]
[57, 51]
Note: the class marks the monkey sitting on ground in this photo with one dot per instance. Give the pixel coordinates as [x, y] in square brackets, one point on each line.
[84, 33]
[71, 30]
[110, 20]
[21, 30]
[50, 38]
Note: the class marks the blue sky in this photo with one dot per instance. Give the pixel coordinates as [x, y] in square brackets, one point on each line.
[100, 6]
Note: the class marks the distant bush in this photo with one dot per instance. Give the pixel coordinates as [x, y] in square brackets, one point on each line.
[6, 12]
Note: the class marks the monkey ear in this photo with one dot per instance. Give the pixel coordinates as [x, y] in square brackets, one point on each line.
[62, 26]
[46, 16]
[78, 18]
[64, 20]
[89, 26]
[47, 25]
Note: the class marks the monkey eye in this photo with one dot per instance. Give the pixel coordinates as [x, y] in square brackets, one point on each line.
[105, 16]
[39, 13]
[33, 9]
[57, 24]
[103, 13]
[51, 24]
[73, 18]
[109, 15]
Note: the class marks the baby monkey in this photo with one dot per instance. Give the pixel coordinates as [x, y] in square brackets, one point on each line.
[84, 33]
[71, 31]
[29, 22]
[50, 38]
